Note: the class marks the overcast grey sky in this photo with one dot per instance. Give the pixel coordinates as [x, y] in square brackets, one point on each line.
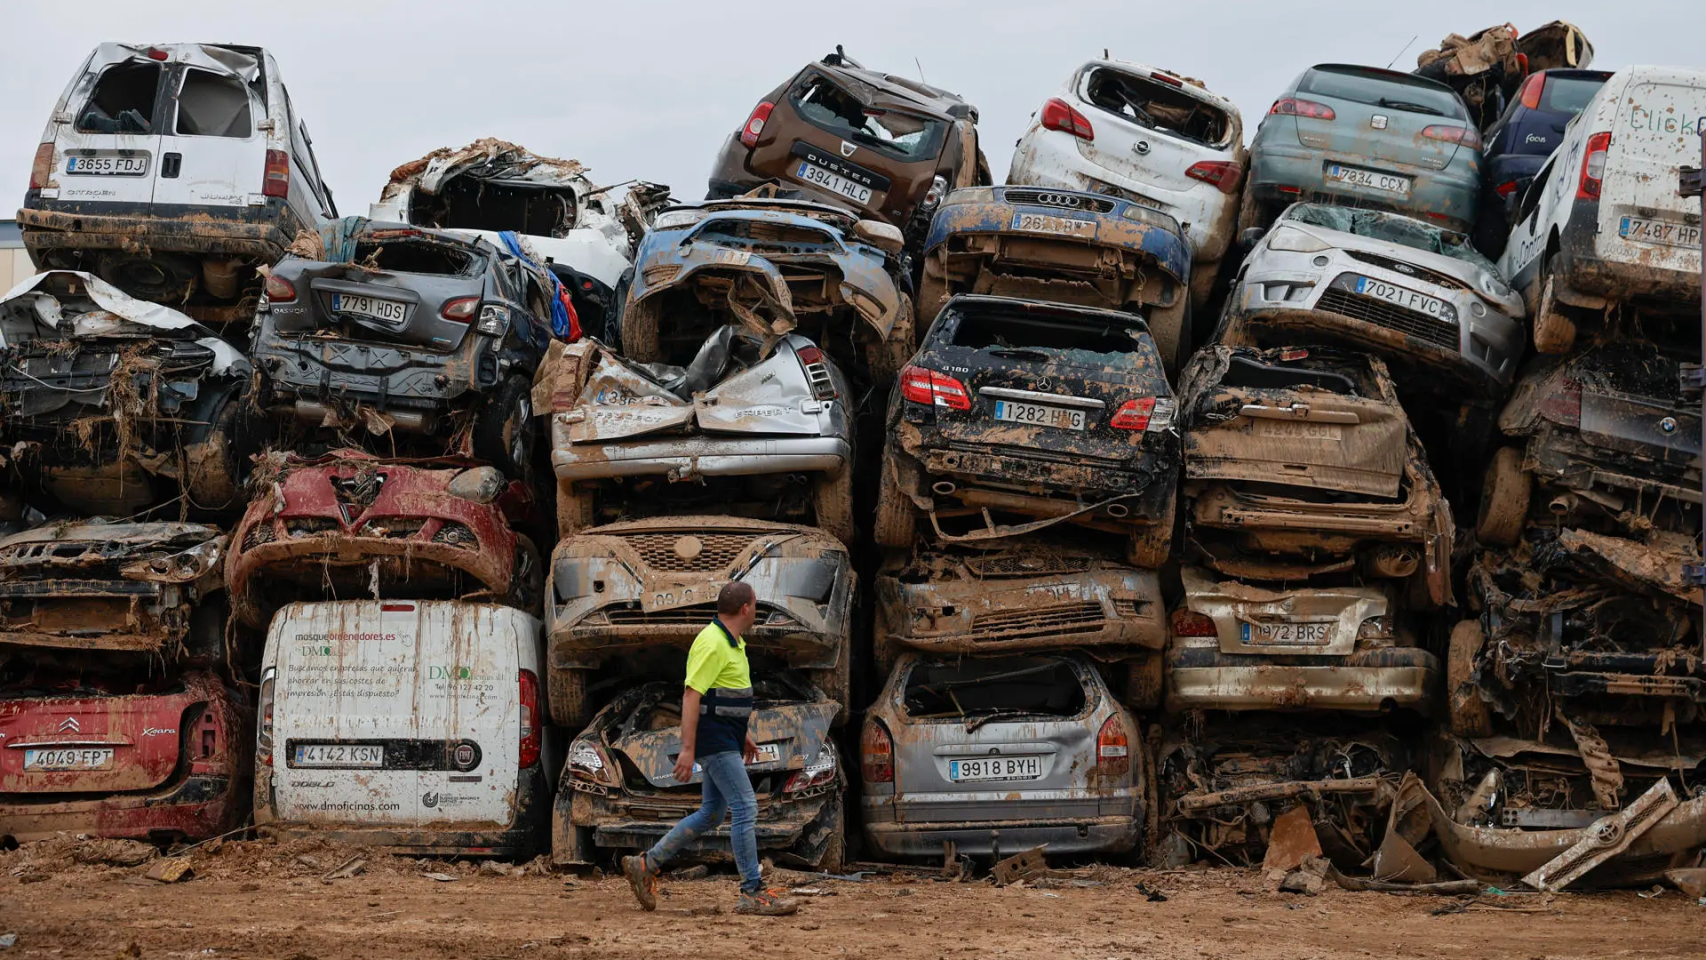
[651, 89]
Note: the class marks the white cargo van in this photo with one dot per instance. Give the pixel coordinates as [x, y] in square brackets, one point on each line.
[1602, 226]
[172, 171]
[416, 726]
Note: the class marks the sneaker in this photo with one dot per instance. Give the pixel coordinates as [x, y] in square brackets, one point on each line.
[765, 903]
[643, 879]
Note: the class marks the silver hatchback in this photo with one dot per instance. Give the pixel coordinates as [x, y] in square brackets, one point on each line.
[998, 755]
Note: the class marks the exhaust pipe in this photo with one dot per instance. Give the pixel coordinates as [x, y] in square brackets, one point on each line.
[943, 488]
[220, 277]
[1118, 511]
[1563, 504]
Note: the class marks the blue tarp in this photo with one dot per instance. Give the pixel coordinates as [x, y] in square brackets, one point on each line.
[563, 324]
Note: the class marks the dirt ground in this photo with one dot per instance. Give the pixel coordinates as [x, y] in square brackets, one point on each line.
[268, 900]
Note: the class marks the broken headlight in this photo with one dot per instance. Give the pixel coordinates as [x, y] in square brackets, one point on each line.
[494, 320]
[189, 564]
[670, 219]
[1292, 240]
[479, 484]
[817, 771]
[588, 762]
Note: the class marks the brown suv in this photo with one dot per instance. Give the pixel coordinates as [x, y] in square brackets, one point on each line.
[886, 146]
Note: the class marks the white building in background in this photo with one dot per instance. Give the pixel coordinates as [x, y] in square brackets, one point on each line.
[15, 263]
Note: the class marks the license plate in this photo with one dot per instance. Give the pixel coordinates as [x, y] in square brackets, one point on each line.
[835, 183]
[390, 311]
[767, 753]
[1387, 182]
[1060, 226]
[1295, 430]
[1404, 297]
[113, 166]
[1666, 232]
[339, 755]
[1314, 633]
[69, 758]
[995, 768]
[1039, 415]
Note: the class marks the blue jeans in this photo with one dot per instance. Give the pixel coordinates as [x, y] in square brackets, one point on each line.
[727, 789]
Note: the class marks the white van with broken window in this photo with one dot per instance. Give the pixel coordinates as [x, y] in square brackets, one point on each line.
[173, 171]
[1602, 235]
[414, 726]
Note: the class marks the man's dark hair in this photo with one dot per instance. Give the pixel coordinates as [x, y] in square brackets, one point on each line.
[733, 596]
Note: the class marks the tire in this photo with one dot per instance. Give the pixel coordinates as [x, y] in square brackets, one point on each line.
[896, 523]
[834, 857]
[1554, 333]
[640, 331]
[526, 582]
[1143, 681]
[575, 506]
[1170, 329]
[505, 430]
[837, 684]
[832, 504]
[1505, 493]
[567, 693]
[215, 471]
[1204, 276]
[1469, 714]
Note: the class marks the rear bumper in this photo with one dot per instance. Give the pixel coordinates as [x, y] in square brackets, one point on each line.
[1366, 681]
[1285, 173]
[701, 455]
[313, 375]
[798, 829]
[1055, 487]
[483, 560]
[262, 231]
[1581, 267]
[199, 807]
[1059, 837]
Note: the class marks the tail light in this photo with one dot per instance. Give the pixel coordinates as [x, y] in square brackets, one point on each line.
[1593, 166]
[1113, 749]
[1504, 190]
[876, 753]
[263, 727]
[280, 290]
[817, 371]
[1462, 136]
[1563, 406]
[1530, 92]
[277, 181]
[590, 764]
[754, 125]
[155, 53]
[529, 720]
[460, 310]
[1133, 414]
[1166, 78]
[1218, 172]
[1059, 115]
[1189, 624]
[1293, 107]
[920, 385]
[41, 172]
[818, 772]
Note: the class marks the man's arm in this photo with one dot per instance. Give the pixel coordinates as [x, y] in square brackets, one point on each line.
[689, 733]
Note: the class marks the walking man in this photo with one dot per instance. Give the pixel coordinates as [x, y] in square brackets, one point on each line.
[715, 707]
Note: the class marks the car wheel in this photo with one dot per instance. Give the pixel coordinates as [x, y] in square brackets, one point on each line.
[896, 522]
[1505, 493]
[567, 691]
[214, 472]
[1469, 714]
[837, 684]
[834, 857]
[1143, 680]
[504, 429]
[832, 504]
[574, 508]
[1554, 333]
[640, 331]
[611, 327]
[526, 579]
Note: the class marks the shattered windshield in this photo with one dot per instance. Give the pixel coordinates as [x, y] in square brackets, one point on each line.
[1392, 228]
[906, 135]
[399, 252]
[994, 687]
[1075, 339]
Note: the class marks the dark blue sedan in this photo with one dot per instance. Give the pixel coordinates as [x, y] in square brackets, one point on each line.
[1519, 142]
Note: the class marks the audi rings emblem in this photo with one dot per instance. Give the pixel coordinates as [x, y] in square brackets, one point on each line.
[1141, 147]
[1060, 199]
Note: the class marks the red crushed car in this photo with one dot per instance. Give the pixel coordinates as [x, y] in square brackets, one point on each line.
[155, 760]
[349, 524]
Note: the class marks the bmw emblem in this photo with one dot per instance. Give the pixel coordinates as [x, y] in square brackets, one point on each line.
[1667, 425]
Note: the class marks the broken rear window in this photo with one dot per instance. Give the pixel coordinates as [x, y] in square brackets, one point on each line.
[417, 255]
[994, 687]
[214, 105]
[1052, 337]
[123, 101]
[1393, 228]
[469, 202]
[1383, 88]
[1157, 106]
[1256, 373]
[905, 135]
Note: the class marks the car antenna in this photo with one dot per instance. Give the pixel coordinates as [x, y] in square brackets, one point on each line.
[1401, 51]
[920, 67]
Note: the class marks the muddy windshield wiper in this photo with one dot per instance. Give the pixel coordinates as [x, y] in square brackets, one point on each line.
[972, 723]
[1412, 107]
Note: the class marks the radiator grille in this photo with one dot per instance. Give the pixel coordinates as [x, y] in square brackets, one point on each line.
[1438, 332]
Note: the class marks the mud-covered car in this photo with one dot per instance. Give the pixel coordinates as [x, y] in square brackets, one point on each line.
[105, 589]
[627, 599]
[1301, 466]
[389, 328]
[1029, 595]
[619, 793]
[1066, 247]
[781, 264]
[348, 524]
[997, 755]
[1417, 294]
[120, 404]
[1226, 788]
[1602, 439]
[1486, 66]
[756, 425]
[156, 760]
[1041, 411]
[884, 145]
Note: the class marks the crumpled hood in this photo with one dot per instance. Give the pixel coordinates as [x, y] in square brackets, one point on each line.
[87, 306]
[798, 730]
[144, 551]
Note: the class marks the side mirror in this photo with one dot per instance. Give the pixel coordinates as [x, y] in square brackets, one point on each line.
[884, 236]
[1250, 237]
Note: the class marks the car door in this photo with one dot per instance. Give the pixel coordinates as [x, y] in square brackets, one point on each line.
[107, 143]
[213, 153]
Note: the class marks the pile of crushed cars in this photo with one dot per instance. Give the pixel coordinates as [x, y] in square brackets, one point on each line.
[1322, 500]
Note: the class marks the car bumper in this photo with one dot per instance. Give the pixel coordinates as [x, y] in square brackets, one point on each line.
[1285, 173]
[1055, 486]
[199, 807]
[1585, 265]
[1004, 837]
[799, 829]
[1366, 681]
[489, 562]
[315, 375]
[683, 458]
[260, 231]
[1108, 610]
